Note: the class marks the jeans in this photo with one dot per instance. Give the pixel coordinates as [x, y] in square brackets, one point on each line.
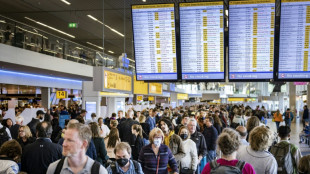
[278, 124]
[288, 122]
[211, 155]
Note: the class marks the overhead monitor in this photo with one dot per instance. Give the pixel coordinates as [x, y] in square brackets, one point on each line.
[155, 42]
[294, 40]
[251, 40]
[202, 40]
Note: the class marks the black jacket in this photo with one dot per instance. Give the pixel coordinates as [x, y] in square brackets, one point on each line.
[39, 155]
[200, 141]
[210, 134]
[305, 115]
[146, 130]
[14, 131]
[124, 129]
[32, 125]
[136, 146]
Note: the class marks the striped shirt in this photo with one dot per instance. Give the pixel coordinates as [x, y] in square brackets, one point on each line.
[148, 160]
[131, 169]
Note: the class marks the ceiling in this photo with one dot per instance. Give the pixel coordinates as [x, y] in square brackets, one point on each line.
[57, 14]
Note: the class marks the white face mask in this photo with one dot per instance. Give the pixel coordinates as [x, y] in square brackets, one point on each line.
[157, 142]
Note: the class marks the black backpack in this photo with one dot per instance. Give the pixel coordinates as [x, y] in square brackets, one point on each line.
[216, 168]
[282, 153]
[115, 171]
[3, 135]
[94, 169]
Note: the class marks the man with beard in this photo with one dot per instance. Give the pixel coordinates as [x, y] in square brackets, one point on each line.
[33, 123]
[76, 140]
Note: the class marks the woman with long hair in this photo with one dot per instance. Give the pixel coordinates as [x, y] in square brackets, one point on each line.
[24, 136]
[145, 129]
[102, 157]
[111, 141]
[137, 141]
[217, 123]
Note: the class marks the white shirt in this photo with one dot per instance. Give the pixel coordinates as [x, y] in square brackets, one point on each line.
[105, 131]
[191, 158]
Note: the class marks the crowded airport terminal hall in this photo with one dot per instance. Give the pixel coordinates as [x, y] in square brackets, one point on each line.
[154, 87]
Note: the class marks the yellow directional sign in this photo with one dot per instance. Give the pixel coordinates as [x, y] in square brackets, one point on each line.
[61, 94]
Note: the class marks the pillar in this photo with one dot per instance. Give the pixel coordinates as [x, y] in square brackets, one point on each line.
[292, 98]
[46, 97]
[308, 95]
[89, 95]
[174, 99]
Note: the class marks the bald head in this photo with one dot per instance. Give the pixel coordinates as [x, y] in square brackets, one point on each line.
[242, 131]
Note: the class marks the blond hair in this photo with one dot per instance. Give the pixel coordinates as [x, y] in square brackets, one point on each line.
[261, 138]
[26, 130]
[142, 119]
[304, 164]
[114, 123]
[155, 132]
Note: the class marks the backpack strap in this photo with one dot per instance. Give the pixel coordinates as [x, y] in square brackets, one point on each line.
[95, 168]
[113, 168]
[214, 164]
[136, 164]
[240, 165]
[59, 166]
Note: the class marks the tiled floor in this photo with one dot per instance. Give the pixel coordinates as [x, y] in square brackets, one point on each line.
[296, 128]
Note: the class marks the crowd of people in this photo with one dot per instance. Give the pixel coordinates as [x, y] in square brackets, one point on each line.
[196, 139]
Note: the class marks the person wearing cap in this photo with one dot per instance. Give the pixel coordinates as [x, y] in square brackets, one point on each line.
[33, 123]
[184, 122]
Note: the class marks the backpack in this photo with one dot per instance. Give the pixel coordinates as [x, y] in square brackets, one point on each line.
[3, 135]
[115, 171]
[282, 153]
[287, 115]
[94, 169]
[216, 168]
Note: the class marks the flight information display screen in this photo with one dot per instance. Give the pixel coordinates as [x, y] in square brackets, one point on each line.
[251, 39]
[294, 40]
[202, 40]
[154, 41]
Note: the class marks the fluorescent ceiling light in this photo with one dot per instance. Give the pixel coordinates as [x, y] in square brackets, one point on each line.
[112, 29]
[111, 52]
[2, 21]
[79, 48]
[95, 45]
[52, 28]
[66, 2]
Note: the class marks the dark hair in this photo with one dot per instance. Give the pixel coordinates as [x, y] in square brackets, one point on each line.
[113, 138]
[284, 131]
[210, 119]
[42, 130]
[113, 114]
[80, 119]
[39, 112]
[168, 123]
[185, 115]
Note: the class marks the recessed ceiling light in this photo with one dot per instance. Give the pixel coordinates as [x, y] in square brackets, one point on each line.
[143, 0]
[111, 52]
[94, 45]
[66, 2]
[52, 28]
[112, 29]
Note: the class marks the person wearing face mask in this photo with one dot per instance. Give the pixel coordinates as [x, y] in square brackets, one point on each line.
[123, 162]
[33, 123]
[155, 157]
[190, 161]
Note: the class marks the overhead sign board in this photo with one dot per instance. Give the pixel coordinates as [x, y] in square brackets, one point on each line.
[61, 94]
[109, 80]
[140, 87]
[182, 96]
[155, 88]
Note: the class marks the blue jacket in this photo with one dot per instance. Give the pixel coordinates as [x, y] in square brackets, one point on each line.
[151, 121]
[291, 116]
